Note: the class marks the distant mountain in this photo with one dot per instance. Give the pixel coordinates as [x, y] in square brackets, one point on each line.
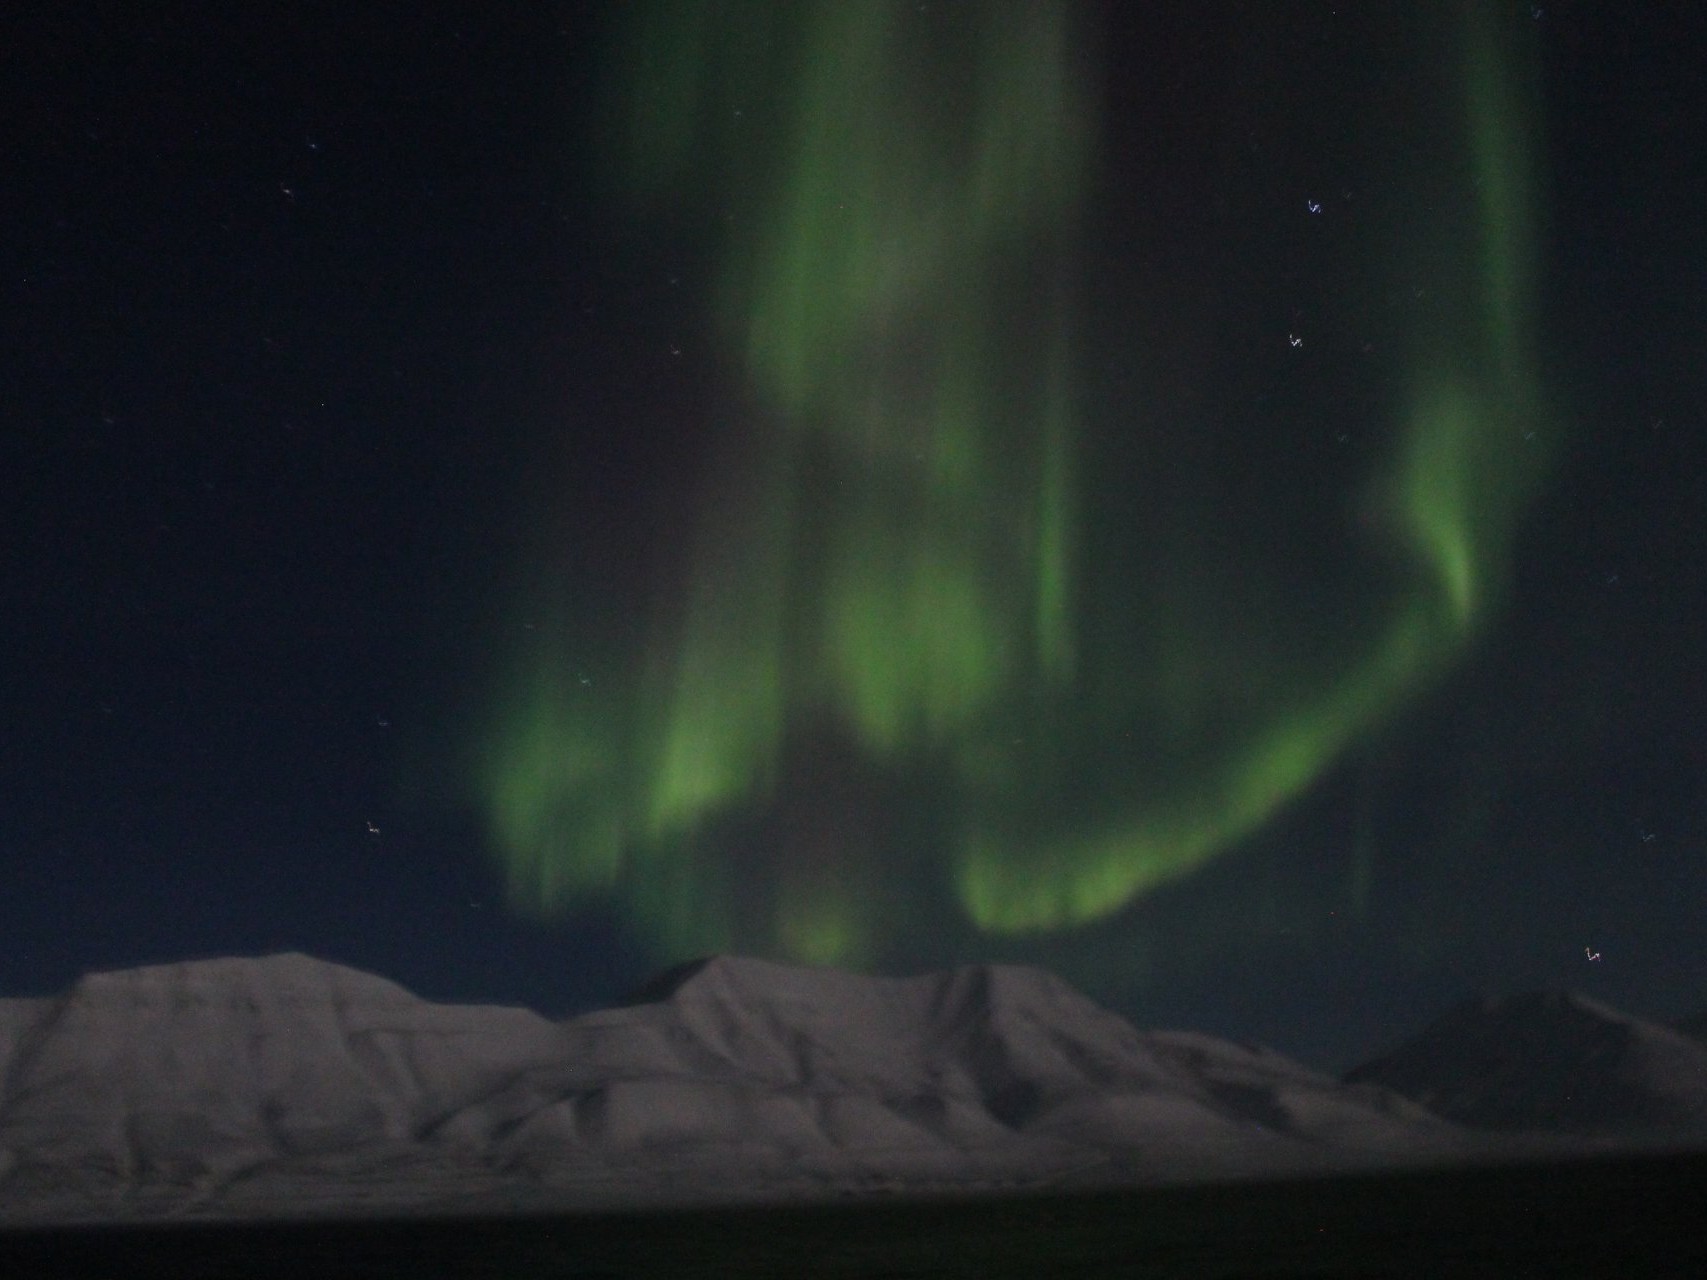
[1552, 1062]
[1695, 1028]
[285, 1085]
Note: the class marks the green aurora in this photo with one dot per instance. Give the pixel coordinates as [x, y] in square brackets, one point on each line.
[896, 599]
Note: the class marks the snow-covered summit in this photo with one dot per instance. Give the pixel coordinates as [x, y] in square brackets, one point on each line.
[981, 1026]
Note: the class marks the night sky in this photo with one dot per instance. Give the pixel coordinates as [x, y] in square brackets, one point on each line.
[1207, 498]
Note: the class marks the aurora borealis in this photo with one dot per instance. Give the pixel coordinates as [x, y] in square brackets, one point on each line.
[894, 556]
[1202, 497]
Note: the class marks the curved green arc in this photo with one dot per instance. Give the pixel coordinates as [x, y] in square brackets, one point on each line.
[892, 544]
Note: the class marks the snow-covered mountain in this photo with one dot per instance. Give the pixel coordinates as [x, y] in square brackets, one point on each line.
[1556, 1062]
[288, 1085]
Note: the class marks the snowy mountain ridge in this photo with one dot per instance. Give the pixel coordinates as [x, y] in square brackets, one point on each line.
[282, 1085]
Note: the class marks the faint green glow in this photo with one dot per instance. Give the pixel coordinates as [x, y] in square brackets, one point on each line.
[545, 797]
[890, 555]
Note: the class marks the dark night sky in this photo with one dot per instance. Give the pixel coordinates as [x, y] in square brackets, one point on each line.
[299, 300]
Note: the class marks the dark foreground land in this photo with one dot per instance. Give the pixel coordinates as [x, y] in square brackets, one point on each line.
[1629, 1216]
